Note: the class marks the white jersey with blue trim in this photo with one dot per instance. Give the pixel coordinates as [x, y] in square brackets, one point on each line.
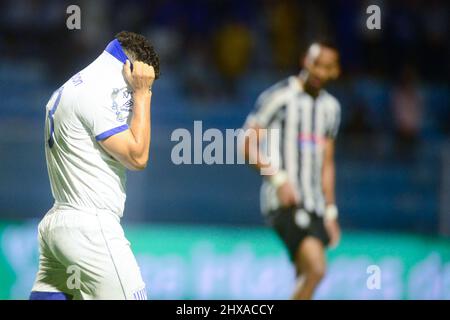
[91, 106]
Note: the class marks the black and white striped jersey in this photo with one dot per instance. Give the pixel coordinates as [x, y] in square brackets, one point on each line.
[304, 123]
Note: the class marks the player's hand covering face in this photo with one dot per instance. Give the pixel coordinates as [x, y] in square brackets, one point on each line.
[142, 76]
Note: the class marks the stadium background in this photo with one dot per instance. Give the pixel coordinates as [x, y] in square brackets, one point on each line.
[196, 230]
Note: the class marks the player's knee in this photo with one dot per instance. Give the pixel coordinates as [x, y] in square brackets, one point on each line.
[316, 272]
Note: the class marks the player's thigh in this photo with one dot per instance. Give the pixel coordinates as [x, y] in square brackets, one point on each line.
[127, 270]
[310, 258]
[96, 255]
[120, 276]
[283, 222]
[51, 276]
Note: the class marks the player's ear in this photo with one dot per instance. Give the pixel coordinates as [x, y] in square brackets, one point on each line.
[336, 72]
[337, 67]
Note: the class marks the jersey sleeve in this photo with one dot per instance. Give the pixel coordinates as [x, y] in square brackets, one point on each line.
[106, 115]
[334, 120]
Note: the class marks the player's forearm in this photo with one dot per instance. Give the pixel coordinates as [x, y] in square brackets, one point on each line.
[251, 149]
[253, 156]
[329, 177]
[140, 127]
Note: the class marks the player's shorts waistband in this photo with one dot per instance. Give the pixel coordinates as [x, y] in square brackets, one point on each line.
[70, 207]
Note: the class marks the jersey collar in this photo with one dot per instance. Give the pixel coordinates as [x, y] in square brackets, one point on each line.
[115, 49]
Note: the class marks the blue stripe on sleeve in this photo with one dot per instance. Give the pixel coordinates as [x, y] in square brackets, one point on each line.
[111, 132]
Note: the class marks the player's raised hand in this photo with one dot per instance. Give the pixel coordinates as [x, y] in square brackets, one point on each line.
[142, 76]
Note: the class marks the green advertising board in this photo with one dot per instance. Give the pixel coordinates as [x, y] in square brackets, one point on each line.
[208, 262]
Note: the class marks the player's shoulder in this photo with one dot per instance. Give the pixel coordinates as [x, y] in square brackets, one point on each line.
[278, 86]
[92, 89]
[331, 101]
[278, 89]
[101, 74]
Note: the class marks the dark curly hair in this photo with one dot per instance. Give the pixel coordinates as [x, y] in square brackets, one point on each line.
[139, 48]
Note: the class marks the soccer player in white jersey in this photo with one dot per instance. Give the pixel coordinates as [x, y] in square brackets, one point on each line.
[299, 199]
[97, 125]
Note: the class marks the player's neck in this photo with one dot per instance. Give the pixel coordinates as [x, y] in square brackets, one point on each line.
[303, 84]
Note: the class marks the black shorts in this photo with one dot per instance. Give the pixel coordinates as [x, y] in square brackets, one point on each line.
[293, 225]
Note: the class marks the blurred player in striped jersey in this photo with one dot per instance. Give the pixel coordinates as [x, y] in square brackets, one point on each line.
[299, 199]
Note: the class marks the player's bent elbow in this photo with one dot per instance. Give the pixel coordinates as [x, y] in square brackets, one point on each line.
[136, 167]
[140, 164]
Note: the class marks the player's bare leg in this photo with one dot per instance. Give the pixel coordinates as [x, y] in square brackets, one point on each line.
[310, 267]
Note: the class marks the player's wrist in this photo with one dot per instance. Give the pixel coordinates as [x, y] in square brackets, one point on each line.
[331, 212]
[278, 179]
[142, 92]
[141, 96]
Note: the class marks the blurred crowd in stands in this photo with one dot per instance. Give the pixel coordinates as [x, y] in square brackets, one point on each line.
[217, 56]
[393, 79]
